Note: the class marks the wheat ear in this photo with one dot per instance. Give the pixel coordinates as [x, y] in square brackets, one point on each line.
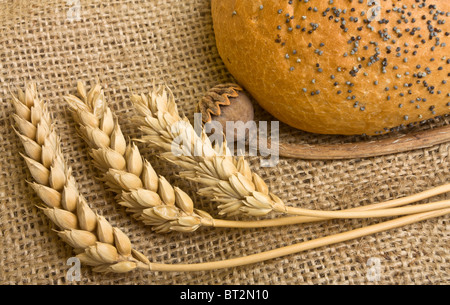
[96, 241]
[228, 180]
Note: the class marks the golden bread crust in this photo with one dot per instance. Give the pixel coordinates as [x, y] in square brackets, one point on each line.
[339, 67]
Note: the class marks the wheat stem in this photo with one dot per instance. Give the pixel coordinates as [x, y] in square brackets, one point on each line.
[299, 247]
[97, 243]
[374, 213]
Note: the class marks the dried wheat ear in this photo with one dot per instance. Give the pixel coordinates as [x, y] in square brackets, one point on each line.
[95, 240]
[151, 198]
[107, 248]
[229, 180]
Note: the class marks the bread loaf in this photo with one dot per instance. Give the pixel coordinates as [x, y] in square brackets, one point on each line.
[339, 66]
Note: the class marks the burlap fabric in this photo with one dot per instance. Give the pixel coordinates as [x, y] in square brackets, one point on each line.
[127, 44]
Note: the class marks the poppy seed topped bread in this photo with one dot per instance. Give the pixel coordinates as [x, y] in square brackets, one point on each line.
[339, 66]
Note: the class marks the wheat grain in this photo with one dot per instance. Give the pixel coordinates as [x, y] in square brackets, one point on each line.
[91, 235]
[302, 246]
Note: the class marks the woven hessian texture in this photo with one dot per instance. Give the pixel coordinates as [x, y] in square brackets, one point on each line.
[129, 44]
